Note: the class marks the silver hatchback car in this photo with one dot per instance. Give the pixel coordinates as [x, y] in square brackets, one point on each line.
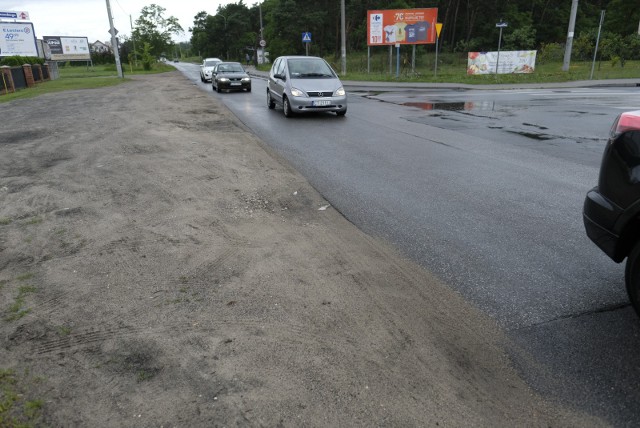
[305, 84]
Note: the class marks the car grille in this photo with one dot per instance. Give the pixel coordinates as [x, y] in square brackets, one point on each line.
[319, 94]
[235, 79]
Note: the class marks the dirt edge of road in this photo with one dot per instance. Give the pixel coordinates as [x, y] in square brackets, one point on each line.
[159, 266]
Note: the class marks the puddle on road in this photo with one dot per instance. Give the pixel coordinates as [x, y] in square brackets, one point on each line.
[533, 135]
[453, 106]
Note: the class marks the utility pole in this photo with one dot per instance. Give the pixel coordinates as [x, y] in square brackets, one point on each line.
[344, 38]
[572, 25]
[133, 39]
[114, 42]
[260, 9]
[595, 52]
[261, 61]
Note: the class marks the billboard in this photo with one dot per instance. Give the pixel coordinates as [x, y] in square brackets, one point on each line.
[68, 48]
[17, 39]
[510, 62]
[401, 26]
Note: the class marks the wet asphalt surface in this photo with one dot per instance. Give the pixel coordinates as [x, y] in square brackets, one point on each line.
[485, 189]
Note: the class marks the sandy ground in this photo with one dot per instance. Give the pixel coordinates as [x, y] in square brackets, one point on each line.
[159, 266]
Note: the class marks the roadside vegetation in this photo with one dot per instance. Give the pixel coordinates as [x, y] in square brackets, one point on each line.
[84, 77]
[451, 69]
[15, 409]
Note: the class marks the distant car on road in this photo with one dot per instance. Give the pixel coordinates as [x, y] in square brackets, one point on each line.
[611, 211]
[230, 76]
[207, 67]
[303, 84]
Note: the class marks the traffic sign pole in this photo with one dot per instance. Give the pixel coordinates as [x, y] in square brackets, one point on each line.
[306, 39]
[114, 42]
[438, 29]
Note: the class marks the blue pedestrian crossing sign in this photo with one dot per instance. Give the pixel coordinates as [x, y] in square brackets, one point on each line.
[306, 37]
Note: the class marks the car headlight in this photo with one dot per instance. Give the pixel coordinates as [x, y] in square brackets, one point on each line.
[246, 79]
[297, 92]
[339, 92]
[223, 79]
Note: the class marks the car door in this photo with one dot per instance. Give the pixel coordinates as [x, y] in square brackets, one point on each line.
[277, 80]
[214, 73]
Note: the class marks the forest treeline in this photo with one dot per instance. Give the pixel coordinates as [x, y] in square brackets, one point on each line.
[233, 30]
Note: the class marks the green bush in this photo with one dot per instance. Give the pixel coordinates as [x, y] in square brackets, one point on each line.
[13, 61]
[147, 59]
[550, 52]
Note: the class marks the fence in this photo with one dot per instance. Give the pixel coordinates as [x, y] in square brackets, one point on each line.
[25, 76]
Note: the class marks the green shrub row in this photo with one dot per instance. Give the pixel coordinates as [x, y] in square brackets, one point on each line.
[13, 61]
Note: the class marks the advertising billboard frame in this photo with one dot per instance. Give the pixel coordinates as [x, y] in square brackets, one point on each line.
[68, 48]
[17, 39]
[394, 27]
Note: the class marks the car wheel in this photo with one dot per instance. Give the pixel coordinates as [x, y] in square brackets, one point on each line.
[286, 107]
[218, 90]
[249, 89]
[341, 112]
[632, 277]
[270, 102]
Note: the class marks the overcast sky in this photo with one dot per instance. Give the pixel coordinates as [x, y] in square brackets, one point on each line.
[89, 18]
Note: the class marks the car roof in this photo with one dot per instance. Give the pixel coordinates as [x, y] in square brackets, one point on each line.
[300, 57]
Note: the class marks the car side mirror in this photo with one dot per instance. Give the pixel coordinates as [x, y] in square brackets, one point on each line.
[280, 76]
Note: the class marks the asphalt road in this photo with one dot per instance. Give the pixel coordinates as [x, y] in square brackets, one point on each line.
[485, 189]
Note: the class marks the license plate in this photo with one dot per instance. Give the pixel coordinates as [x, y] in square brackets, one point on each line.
[236, 83]
[320, 103]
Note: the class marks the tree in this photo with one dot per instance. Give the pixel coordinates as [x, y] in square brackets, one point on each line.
[156, 30]
[199, 33]
[467, 24]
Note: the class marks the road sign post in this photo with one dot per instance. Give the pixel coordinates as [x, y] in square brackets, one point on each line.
[438, 30]
[499, 25]
[306, 39]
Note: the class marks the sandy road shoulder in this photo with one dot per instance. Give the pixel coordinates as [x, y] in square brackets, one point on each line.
[160, 266]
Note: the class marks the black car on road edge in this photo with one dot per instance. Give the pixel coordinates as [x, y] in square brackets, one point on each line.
[611, 211]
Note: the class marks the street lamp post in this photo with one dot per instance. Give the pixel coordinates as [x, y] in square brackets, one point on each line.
[499, 25]
[226, 48]
[343, 40]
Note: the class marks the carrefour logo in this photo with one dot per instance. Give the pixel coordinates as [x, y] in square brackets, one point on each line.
[11, 30]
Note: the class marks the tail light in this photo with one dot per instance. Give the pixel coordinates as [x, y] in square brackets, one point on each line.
[629, 121]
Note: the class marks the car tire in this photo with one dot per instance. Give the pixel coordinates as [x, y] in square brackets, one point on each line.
[341, 112]
[249, 89]
[632, 277]
[286, 107]
[270, 104]
[218, 90]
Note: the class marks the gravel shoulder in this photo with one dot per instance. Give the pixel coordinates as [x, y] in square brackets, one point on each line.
[159, 266]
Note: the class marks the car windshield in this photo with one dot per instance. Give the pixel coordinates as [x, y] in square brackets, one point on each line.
[210, 63]
[309, 68]
[230, 68]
